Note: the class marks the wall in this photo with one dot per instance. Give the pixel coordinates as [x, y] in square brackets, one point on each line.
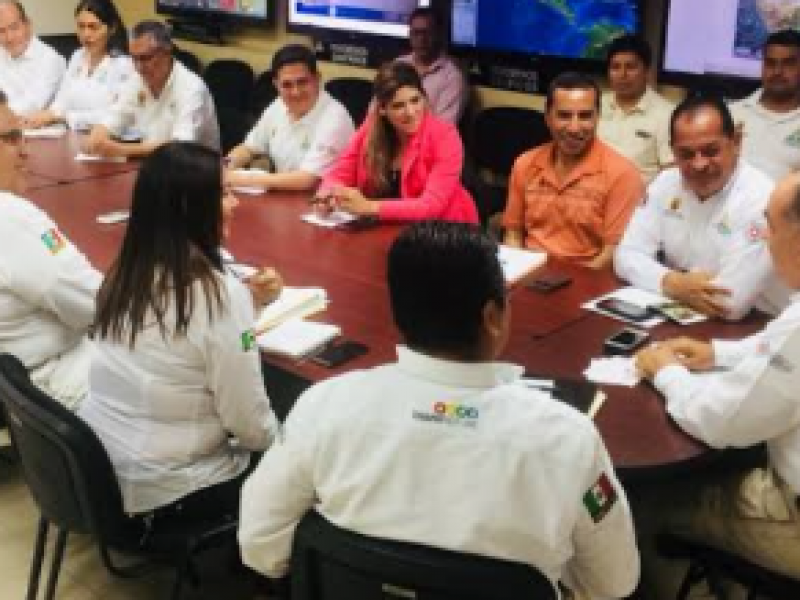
[51, 16]
[256, 48]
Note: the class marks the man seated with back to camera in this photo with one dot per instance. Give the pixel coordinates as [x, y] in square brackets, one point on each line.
[571, 197]
[446, 447]
[301, 132]
[699, 237]
[164, 102]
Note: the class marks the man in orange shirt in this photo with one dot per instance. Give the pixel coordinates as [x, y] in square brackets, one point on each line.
[572, 197]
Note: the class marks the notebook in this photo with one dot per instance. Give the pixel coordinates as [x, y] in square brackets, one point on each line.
[294, 302]
[579, 394]
[517, 263]
[296, 338]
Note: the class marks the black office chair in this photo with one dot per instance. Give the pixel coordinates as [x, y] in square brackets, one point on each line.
[263, 94]
[64, 44]
[354, 93]
[188, 60]
[230, 82]
[714, 565]
[499, 135]
[234, 124]
[330, 563]
[72, 481]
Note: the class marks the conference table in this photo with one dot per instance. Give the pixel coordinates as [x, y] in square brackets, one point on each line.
[550, 333]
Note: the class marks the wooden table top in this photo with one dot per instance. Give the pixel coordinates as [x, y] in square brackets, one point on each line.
[550, 334]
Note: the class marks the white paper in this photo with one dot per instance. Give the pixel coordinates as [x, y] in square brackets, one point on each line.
[49, 132]
[115, 216]
[614, 370]
[241, 270]
[294, 302]
[634, 296]
[334, 219]
[297, 338]
[83, 157]
[517, 263]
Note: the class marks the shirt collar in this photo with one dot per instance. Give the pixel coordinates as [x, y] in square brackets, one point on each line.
[643, 104]
[461, 374]
[723, 193]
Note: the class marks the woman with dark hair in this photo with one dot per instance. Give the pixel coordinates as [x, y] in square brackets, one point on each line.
[95, 73]
[175, 387]
[403, 164]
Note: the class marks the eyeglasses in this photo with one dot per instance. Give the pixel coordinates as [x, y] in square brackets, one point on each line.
[11, 136]
[147, 57]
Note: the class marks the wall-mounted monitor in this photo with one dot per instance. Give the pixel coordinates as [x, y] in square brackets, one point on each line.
[364, 17]
[254, 11]
[715, 40]
[575, 30]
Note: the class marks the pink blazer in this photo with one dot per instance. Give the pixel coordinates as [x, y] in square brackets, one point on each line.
[430, 183]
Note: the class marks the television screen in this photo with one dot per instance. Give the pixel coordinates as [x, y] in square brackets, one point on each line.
[575, 29]
[372, 17]
[234, 9]
[729, 41]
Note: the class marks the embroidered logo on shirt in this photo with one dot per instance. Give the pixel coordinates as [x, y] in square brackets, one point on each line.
[674, 204]
[599, 498]
[762, 348]
[755, 233]
[141, 97]
[724, 227]
[793, 139]
[248, 339]
[781, 363]
[53, 240]
[449, 413]
[646, 135]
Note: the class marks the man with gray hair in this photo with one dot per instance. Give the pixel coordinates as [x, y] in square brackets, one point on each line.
[30, 70]
[165, 102]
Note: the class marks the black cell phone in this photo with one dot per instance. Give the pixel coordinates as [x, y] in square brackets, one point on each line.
[360, 224]
[626, 310]
[547, 282]
[336, 354]
[625, 341]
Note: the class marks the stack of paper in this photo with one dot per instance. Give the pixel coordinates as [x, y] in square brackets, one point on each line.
[517, 263]
[615, 370]
[50, 132]
[294, 302]
[83, 157]
[334, 219]
[297, 338]
[249, 190]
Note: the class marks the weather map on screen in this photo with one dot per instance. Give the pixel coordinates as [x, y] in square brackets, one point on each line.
[564, 28]
[240, 8]
[756, 19]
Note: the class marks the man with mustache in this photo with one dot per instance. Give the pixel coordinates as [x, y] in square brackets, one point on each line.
[572, 197]
[770, 117]
[699, 237]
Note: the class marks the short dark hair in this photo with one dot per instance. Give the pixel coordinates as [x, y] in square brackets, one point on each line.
[783, 37]
[293, 54]
[571, 80]
[441, 275]
[172, 241]
[697, 101]
[632, 44]
[107, 13]
[160, 32]
[428, 13]
[3, 98]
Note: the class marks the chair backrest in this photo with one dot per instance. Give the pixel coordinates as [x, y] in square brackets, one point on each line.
[354, 93]
[188, 60]
[263, 94]
[519, 129]
[64, 464]
[230, 82]
[330, 563]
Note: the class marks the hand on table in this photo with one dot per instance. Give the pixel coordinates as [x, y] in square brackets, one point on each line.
[696, 291]
[654, 358]
[265, 286]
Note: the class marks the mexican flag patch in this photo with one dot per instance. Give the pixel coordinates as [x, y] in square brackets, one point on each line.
[248, 340]
[599, 499]
[53, 240]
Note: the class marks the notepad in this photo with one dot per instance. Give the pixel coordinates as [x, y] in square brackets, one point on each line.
[294, 302]
[249, 190]
[578, 393]
[296, 338]
[517, 263]
[334, 219]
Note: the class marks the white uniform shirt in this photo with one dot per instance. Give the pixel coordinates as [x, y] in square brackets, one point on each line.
[640, 134]
[454, 455]
[445, 87]
[84, 98]
[164, 409]
[309, 144]
[30, 80]
[47, 294]
[722, 235]
[753, 401]
[184, 111]
[771, 139]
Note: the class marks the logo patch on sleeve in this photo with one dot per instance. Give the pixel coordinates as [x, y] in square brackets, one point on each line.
[248, 339]
[599, 498]
[53, 240]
